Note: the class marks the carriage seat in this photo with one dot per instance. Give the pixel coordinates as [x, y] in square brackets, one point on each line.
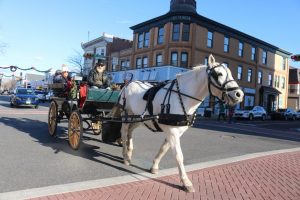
[58, 89]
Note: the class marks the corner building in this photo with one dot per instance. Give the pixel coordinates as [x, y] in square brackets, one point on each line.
[184, 38]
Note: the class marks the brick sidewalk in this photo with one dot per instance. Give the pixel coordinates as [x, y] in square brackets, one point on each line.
[273, 177]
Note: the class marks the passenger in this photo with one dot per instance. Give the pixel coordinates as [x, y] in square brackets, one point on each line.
[97, 77]
[61, 76]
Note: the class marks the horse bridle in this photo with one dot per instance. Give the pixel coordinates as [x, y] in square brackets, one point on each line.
[220, 86]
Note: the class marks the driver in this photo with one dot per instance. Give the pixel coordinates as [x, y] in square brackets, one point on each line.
[97, 77]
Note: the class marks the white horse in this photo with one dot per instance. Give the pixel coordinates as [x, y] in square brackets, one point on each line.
[193, 86]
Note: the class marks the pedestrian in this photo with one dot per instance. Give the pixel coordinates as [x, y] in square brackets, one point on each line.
[230, 114]
[222, 112]
[97, 77]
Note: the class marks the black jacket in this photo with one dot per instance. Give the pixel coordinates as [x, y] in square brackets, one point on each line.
[100, 80]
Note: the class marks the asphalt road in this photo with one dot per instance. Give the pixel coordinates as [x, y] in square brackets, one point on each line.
[31, 158]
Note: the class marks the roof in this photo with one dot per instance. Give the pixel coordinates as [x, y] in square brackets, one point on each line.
[271, 90]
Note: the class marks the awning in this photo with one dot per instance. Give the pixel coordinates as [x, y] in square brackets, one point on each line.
[270, 90]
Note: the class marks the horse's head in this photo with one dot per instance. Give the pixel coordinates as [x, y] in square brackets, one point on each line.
[221, 83]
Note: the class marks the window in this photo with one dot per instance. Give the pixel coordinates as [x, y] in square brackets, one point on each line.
[253, 53]
[145, 61]
[259, 77]
[206, 61]
[161, 33]
[210, 39]
[249, 78]
[241, 49]
[146, 39]
[264, 57]
[283, 63]
[249, 101]
[270, 80]
[282, 82]
[176, 32]
[123, 65]
[140, 41]
[277, 81]
[225, 64]
[138, 63]
[226, 44]
[184, 59]
[240, 73]
[159, 60]
[186, 32]
[174, 59]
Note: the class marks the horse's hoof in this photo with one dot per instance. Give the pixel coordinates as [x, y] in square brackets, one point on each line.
[126, 162]
[189, 189]
[154, 171]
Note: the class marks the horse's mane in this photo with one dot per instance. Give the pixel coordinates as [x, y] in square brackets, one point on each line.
[197, 68]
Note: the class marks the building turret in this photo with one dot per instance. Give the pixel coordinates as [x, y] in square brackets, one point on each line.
[183, 6]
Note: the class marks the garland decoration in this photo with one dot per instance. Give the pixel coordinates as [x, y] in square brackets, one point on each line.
[15, 68]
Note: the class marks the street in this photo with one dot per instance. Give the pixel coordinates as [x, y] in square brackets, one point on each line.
[31, 158]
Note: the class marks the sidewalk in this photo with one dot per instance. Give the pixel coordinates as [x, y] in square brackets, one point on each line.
[269, 175]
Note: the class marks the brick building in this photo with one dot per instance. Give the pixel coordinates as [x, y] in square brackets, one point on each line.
[102, 47]
[184, 38]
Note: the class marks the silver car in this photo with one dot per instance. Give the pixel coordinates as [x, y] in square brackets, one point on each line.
[251, 113]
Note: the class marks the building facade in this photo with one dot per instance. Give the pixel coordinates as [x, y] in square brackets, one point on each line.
[184, 38]
[103, 47]
[294, 89]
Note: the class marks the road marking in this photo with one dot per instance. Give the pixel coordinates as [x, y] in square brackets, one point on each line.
[86, 185]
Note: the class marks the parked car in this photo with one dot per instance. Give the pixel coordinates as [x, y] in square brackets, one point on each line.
[41, 95]
[287, 113]
[251, 113]
[298, 114]
[24, 97]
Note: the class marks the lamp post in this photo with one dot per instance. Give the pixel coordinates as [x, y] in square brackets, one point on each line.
[1, 76]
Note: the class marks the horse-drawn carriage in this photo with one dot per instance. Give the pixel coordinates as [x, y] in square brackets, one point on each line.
[91, 109]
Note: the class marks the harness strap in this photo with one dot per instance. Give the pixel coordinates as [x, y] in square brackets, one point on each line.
[168, 93]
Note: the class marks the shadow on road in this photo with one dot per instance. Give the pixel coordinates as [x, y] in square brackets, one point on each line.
[60, 144]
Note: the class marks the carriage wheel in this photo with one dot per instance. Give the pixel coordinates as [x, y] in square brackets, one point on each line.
[75, 130]
[52, 118]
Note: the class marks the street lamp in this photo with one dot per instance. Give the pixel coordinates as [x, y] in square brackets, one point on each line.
[1, 76]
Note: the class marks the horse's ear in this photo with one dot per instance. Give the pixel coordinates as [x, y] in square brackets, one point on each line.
[211, 60]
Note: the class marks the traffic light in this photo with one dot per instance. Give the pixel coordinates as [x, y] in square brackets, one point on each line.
[296, 57]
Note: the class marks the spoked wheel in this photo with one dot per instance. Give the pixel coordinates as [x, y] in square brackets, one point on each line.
[52, 118]
[75, 130]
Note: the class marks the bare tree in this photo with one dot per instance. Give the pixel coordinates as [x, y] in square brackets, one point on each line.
[76, 61]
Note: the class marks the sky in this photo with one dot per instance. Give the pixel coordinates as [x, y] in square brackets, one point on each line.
[45, 33]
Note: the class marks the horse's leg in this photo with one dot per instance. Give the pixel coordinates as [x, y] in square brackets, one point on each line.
[127, 140]
[124, 133]
[177, 152]
[163, 150]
